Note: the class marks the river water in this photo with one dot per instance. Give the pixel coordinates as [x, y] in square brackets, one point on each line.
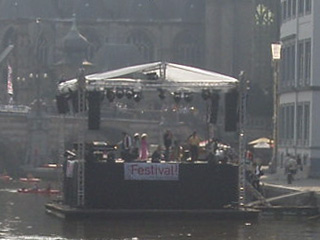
[22, 216]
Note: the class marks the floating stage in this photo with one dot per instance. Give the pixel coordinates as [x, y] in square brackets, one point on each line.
[173, 190]
[146, 189]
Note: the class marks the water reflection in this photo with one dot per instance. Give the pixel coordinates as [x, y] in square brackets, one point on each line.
[23, 216]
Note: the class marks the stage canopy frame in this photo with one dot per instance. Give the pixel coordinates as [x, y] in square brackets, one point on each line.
[154, 76]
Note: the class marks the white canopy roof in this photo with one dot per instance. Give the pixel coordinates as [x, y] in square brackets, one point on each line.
[260, 140]
[163, 75]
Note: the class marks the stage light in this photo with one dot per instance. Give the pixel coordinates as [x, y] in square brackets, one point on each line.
[119, 93]
[129, 93]
[137, 96]
[205, 94]
[177, 97]
[111, 95]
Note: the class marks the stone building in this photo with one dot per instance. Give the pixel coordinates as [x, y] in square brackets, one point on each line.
[215, 35]
[299, 85]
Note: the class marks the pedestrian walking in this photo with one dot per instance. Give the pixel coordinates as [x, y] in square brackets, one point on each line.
[292, 169]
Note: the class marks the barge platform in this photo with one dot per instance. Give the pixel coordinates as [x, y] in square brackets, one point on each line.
[66, 212]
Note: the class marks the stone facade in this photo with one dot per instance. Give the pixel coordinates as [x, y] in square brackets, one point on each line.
[216, 35]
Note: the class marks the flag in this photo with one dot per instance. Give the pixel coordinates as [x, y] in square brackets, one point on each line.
[9, 81]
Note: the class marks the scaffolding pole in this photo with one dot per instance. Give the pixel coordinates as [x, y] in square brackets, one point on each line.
[243, 87]
[81, 139]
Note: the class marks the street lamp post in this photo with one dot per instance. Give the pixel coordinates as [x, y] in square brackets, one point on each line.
[276, 57]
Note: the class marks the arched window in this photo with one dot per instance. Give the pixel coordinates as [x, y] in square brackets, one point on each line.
[187, 49]
[42, 51]
[143, 43]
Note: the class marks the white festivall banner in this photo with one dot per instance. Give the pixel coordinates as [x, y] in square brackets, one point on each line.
[151, 171]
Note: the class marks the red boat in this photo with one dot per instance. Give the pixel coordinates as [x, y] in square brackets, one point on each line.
[32, 180]
[5, 178]
[38, 191]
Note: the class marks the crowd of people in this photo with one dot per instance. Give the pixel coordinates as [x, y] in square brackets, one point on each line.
[134, 148]
[171, 149]
[137, 148]
[292, 165]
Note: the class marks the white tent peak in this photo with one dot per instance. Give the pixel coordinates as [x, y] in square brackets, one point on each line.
[155, 75]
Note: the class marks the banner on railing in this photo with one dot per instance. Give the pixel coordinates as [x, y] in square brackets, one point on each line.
[151, 171]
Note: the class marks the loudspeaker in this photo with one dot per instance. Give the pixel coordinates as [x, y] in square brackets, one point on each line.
[94, 102]
[62, 104]
[214, 108]
[231, 111]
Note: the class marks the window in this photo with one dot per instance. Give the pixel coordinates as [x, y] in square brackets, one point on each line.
[289, 9]
[143, 43]
[306, 123]
[288, 64]
[300, 61]
[299, 122]
[308, 6]
[292, 63]
[286, 122]
[284, 66]
[284, 10]
[294, 7]
[291, 122]
[307, 66]
[301, 7]
[42, 51]
[304, 62]
[303, 123]
[187, 49]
